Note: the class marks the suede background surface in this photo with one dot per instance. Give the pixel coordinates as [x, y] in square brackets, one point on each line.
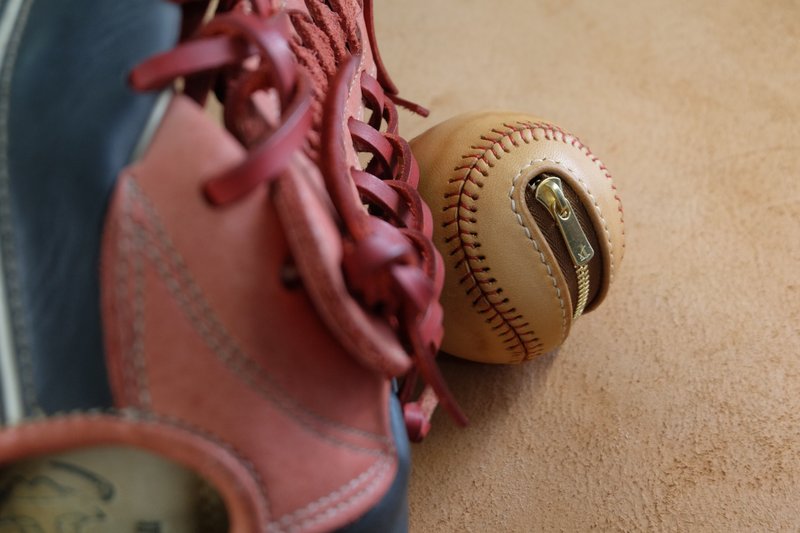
[675, 405]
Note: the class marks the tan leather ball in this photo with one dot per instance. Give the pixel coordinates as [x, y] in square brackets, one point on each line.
[530, 226]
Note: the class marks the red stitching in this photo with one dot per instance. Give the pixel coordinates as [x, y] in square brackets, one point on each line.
[469, 179]
[464, 176]
[527, 341]
[575, 142]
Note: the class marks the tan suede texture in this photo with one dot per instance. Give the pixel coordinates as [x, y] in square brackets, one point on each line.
[676, 405]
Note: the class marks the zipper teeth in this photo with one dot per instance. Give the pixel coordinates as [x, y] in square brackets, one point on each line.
[583, 290]
[569, 224]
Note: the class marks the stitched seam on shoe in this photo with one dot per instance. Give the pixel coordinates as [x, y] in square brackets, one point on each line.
[9, 270]
[264, 502]
[315, 511]
[226, 349]
[162, 252]
[320, 509]
[133, 363]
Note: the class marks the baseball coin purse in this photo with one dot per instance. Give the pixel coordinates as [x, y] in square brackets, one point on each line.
[530, 226]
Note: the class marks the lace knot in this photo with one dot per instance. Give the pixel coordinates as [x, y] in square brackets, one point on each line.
[371, 266]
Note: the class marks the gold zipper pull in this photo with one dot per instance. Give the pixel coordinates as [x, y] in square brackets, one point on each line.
[551, 195]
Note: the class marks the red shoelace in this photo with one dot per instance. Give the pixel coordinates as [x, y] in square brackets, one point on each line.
[309, 61]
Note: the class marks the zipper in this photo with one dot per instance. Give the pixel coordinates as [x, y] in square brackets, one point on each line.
[549, 192]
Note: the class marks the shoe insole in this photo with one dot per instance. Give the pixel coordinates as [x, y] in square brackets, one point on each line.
[107, 489]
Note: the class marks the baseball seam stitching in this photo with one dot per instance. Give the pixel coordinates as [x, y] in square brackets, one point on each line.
[465, 207]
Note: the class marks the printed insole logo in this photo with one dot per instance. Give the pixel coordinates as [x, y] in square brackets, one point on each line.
[58, 497]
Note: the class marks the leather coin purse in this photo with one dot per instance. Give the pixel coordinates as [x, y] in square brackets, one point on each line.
[530, 226]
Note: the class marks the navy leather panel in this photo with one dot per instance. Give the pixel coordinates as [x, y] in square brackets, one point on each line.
[72, 125]
[391, 513]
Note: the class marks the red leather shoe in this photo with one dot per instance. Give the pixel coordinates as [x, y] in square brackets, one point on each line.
[258, 288]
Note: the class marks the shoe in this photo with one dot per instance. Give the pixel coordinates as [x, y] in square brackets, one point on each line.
[201, 325]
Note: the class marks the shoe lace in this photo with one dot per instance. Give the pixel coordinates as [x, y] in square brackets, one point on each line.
[390, 264]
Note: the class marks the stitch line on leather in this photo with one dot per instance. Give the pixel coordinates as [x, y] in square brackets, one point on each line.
[152, 418]
[232, 356]
[234, 359]
[542, 258]
[154, 249]
[377, 471]
[554, 133]
[599, 213]
[133, 366]
[19, 339]
[557, 134]
[462, 200]
[137, 346]
[178, 280]
[597, 208]
[121, 278]
[585, 186]
[510, 326]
